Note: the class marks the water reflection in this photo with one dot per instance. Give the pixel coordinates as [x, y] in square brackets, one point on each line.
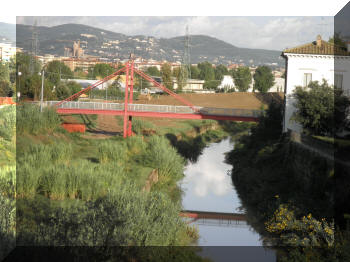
[207, 187]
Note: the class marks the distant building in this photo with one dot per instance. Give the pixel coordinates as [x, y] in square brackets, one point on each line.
[310, 62]
[74, 51]
[83, 63]
[278, 86]
[7, 51]
[192, 85]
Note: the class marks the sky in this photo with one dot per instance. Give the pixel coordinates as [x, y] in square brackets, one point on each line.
[269, 32]
[268, 24]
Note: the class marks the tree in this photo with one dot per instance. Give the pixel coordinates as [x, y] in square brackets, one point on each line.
[321, 109]
[153, 71]
[102, 70]
[62, 91]
[56, 70]
[4, 72]
[73, 87]
[207, 73]
[5, 88]
[181, 77]
[263, 78]
[166, 76]
[195, 72]
[242, 78]
[220, 71]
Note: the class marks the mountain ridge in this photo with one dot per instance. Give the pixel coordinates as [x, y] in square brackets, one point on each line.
[113, 45]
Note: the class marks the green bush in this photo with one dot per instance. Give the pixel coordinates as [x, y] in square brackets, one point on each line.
[125, 216]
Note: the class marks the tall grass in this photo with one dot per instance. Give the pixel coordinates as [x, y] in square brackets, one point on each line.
[31, 120]
[138, 126]
[7, 122]
[161, 155]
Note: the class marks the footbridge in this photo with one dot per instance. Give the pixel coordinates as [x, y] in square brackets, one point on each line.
[149, 110]
[215, 218]
[129, 109]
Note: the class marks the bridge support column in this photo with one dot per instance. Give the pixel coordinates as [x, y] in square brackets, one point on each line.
[126, 101]
[131, 95]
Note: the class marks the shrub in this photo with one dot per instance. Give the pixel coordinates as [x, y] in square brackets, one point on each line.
[31, 120]
[162, 156]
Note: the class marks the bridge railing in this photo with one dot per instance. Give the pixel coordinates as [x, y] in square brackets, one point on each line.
[157, 108]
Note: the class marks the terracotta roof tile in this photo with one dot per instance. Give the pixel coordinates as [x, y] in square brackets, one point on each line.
[325, 48]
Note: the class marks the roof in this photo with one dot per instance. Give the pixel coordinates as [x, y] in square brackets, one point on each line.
[318, 47]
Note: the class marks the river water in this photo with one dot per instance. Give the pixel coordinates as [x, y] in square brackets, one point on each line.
[207, 186]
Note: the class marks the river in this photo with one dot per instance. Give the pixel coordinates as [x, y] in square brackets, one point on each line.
[207, 186]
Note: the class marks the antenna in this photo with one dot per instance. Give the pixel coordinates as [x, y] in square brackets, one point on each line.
[34, 47]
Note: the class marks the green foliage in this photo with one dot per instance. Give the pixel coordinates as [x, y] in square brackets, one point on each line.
[7, 226]
[7, 179]
[7, 122]
[163, 157]
[56, 70]
[181, 75]
[320, 108]
[4, 72]
[124, 217]
[153, 71]
[195, 72]
[165, 72]
[242, 78]
[220, 71]
[62, 91]
[31, 120]
[263, 78]
[142, 126]
[207, 73]
[100, 71]
[287, 230]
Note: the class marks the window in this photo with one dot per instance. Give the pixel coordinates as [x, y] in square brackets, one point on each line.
[307, 79]
[338, 80]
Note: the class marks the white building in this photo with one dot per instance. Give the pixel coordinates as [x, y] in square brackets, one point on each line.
[192, 85]
[313, 62]
[227, 83]
[6, 52]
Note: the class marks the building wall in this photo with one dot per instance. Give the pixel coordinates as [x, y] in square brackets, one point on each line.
[321, 67]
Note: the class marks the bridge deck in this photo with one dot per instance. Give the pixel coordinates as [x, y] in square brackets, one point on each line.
[147, 110]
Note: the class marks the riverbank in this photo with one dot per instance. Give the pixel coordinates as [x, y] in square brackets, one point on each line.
[289, 193]
[67, 187]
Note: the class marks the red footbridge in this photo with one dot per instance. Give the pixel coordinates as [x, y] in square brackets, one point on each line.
[128, 109]
[214, 218]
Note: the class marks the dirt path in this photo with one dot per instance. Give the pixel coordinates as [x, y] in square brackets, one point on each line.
[107, 126]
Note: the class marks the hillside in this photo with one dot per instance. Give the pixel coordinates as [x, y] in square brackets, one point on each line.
[111, 45]
[8, 32]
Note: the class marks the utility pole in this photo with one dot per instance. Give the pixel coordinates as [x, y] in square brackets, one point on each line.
[42, 91]
[186, 64]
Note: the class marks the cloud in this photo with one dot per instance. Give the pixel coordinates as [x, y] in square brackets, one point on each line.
[275, 33]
